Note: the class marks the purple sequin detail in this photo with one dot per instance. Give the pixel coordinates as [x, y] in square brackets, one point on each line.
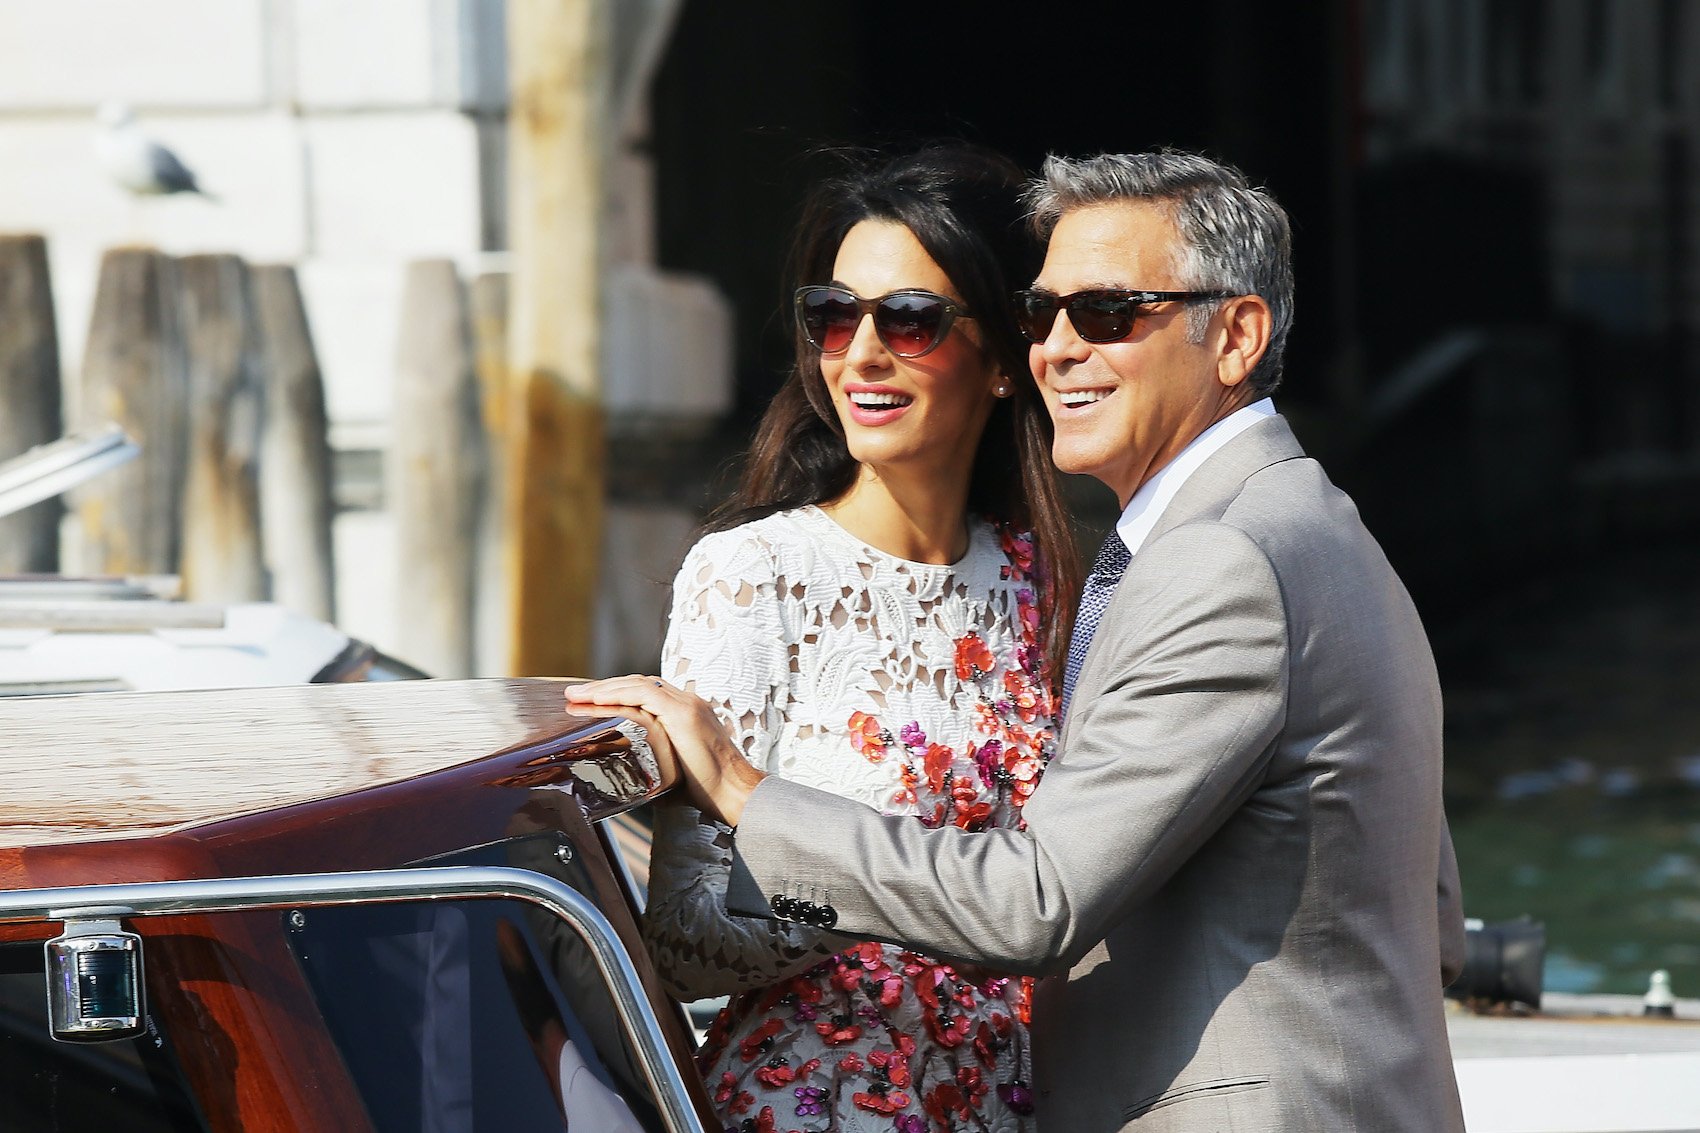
[811, 1101]
[1017, 1097]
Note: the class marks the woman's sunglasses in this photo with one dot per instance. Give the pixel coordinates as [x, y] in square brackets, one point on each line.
[1105, 315]
[910, 322]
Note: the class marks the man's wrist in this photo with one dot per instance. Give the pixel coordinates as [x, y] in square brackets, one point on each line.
[734, 790]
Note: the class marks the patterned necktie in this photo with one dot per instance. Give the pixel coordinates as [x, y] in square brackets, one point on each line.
[1095, 598]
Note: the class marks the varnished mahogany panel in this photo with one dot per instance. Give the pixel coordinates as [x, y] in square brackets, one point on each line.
[173, 786]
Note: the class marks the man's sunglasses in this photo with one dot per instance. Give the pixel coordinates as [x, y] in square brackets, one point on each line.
[910, 322]
[1104, 315]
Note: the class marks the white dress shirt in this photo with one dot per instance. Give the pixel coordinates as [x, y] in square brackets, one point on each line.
[1147, 505]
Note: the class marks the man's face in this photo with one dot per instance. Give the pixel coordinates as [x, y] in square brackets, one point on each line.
[1125, 409]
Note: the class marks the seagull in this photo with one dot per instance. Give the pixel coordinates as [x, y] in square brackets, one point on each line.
[137, 162]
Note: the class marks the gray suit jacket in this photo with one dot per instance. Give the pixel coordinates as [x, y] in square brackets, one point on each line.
[1236, 872]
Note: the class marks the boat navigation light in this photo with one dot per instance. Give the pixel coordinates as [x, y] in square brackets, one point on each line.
[94, 978]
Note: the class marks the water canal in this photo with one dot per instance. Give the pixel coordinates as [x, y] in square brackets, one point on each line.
[1573, 765]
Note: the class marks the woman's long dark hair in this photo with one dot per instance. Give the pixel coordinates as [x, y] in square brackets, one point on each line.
[963, 204]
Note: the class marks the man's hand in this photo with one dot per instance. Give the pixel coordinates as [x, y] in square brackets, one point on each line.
[720, 779]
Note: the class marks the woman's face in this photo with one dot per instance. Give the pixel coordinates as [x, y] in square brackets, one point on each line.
[921, 414]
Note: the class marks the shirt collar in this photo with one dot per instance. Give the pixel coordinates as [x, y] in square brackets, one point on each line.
[1146, 507]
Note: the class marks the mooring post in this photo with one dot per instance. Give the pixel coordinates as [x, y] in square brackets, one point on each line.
[295, 457]
[222, 558]
[134, 376]
[30, 410]
[435, 472]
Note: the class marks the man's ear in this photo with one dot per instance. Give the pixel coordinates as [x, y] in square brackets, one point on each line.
[1246, 325]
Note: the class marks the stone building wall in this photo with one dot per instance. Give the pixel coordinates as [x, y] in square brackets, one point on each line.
[349, 137]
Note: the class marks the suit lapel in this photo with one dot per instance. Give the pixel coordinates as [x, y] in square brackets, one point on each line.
[1209, 490]
[1218, 479]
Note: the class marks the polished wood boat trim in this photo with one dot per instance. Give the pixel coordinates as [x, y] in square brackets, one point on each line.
[140, 765]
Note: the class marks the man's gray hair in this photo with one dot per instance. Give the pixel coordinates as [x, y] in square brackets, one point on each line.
[1234, 237]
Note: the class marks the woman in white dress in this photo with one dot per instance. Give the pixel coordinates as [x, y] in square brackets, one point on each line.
[877, 612]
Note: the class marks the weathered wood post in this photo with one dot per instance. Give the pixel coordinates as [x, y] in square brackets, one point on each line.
[295, 455]
[222, 559]
[492, 632]
[434, 473]
[30, 412]
[558, 52]
[133, 376]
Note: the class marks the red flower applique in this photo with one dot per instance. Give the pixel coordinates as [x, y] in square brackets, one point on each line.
[895, 1065]
[944, 1100]
[949, 1031]
[838, 1030]
[1018, 548]
[973, 656]
[883, 1102]
[972, 1084]
[973, 817]
[753, 1045]
[774, 1077]
[851, 1064]
[908, 780]
[1028, 610]
[937, 762]
[867, 737]
[1026, 699]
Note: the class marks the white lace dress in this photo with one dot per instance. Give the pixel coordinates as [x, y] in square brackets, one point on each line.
[917, 689]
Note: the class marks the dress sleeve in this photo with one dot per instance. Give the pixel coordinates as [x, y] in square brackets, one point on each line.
[726, 641]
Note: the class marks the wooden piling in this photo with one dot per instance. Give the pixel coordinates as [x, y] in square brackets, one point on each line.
[295, 457]
[434, 473]
[492, 632]
[133, 376]
[558, 52]
[30, 411]
[222, 559]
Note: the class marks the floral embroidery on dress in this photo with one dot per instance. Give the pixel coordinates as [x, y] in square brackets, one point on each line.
[1010, 701]
[915, 688]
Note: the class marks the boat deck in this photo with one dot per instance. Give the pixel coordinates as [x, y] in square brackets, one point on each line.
[131, 765]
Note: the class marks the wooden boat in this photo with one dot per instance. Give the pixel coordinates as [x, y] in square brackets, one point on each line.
[348, 899]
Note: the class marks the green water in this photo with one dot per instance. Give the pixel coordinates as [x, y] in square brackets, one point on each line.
[1573, 766]
[1618, 886]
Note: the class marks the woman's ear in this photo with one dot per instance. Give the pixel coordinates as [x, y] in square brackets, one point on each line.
[1246, 325]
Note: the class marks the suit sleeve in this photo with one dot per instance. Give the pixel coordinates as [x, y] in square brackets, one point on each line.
[1451, 909]
[1183, 695]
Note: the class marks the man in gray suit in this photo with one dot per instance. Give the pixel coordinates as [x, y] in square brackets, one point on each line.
[1236, 872]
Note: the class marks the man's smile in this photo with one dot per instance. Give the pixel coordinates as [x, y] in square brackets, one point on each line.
[1076, 398]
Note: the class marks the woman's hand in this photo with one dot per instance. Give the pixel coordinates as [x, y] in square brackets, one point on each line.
[719, 778]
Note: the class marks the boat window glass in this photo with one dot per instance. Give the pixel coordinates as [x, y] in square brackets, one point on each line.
[54, 1087]
[473, 1014]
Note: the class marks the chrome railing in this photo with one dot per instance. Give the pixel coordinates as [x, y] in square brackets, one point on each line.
[219, 895]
